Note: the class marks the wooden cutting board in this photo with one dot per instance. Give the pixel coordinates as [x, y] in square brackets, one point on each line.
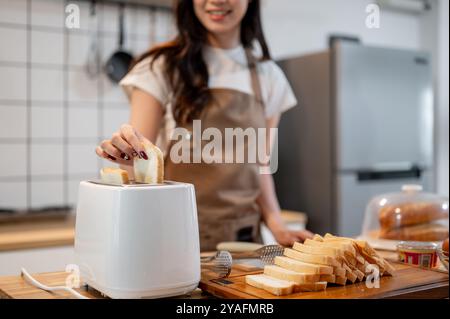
[409, 282]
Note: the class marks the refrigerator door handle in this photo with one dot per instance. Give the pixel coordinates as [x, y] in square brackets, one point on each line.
[392, 173]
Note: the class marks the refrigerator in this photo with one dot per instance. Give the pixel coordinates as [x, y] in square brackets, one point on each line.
[363, 127]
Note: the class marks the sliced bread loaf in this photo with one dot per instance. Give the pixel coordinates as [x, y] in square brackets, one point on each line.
[289, 275]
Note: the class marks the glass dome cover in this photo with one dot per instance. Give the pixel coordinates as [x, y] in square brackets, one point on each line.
[409, 215]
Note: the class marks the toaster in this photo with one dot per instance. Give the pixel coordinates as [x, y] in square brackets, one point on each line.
[138, 240]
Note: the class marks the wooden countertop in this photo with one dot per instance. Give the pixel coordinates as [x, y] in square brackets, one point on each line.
[37, 233]
[15, 287]
[411, 282]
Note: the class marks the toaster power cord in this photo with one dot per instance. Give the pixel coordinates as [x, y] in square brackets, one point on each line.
[36, 283]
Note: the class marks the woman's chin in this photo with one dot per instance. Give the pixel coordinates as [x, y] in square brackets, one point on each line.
[220, 29]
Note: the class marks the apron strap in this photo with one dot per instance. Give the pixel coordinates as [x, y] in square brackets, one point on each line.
[256, 84]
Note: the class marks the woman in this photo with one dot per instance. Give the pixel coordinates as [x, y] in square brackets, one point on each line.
[209, 72]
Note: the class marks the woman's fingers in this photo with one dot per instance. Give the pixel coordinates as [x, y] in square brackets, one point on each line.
[112, 153]
[129, 134]
[100, 152]
[107, 146]
[126, 150]
[123, 146]
[302, 235]
[139, 135]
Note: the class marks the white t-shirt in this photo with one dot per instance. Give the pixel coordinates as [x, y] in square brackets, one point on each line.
[227, 69]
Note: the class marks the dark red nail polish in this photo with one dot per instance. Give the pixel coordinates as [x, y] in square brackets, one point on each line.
[144, 156]
[112, 158]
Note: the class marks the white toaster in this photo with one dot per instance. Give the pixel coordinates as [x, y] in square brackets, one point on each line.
[138, 241]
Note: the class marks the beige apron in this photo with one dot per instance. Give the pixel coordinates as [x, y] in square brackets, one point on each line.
[226, 193]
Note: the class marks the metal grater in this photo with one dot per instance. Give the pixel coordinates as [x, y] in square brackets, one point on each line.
[266, 254]
[220, 263]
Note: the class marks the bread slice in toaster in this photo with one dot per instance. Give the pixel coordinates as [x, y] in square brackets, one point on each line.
[149, 171]
[112, 175]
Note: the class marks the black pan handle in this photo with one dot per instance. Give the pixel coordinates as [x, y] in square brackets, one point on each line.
[121, 25]
[373, 175]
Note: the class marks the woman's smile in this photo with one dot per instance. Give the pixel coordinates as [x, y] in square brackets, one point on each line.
[218, 15]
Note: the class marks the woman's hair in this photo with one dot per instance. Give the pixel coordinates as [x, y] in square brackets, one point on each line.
[184, 64]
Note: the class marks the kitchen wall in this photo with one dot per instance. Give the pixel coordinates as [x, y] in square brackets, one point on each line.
[51, 113]
[296, 27]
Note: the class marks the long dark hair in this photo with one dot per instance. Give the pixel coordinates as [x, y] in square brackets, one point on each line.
[184, 64]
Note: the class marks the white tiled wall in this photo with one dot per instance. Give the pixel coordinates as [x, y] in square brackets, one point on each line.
[40, 126]
[13, 44]
[46, 85]
[13, 159]
[16, 12]
[83, 121]
[47, 47]
[12, 83]
[11, 121]
[52, 114]
[14, 194]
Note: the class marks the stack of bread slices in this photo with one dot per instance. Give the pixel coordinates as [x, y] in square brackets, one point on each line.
[317, 262]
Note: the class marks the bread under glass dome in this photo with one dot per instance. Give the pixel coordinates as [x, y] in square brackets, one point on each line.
[409, 215]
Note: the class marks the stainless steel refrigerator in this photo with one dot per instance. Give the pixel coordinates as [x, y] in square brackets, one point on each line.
[363, 126]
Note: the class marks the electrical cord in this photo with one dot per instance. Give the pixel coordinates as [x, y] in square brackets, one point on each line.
[36, 283]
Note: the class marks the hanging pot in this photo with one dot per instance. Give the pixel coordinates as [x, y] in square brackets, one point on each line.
[119, 63]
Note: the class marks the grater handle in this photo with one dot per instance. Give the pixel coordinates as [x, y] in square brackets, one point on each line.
[238, 247]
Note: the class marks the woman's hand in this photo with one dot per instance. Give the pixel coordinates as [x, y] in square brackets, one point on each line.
[123, 146]
[287, 237]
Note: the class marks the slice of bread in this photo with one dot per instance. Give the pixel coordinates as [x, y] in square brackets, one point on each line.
[289, 275]
[318, 250]
[149, 171]
[280, 287]
[360, 274]
[275, 286]
[351, 276]
[112, 175]
[342, 281]
[347, 248]
[339, 271]
[328, 278]
[302, 267]
[313, 259]
[367, 253]
[362, 267]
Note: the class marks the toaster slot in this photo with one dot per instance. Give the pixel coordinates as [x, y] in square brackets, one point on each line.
[133, 184]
